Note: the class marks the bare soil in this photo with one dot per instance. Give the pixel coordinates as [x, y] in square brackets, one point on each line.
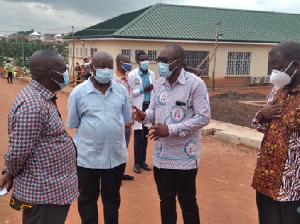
[227, 108]
[223, 181]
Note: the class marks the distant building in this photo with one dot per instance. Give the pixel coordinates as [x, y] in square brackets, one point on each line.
[34, 36]
[244, 39]
[52, 38]
[15, 36]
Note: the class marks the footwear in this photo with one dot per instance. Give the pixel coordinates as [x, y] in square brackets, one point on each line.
[145, 166]
[127, 177]
[137, 168]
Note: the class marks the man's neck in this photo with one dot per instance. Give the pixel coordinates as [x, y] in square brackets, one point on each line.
[121, 74]
[100, 87]
[144, 71]
[173, 78]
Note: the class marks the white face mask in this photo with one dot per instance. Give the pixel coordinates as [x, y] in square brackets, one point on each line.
[281, 79]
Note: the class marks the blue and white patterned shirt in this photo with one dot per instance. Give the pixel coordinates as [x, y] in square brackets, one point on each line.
[181, 149]
[100, 119]
[41, 155]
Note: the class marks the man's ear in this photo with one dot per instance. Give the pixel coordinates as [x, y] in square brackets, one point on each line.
[137, 62]
[51, 75]
[297, 64]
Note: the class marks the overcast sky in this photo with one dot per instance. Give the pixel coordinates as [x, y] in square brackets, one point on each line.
[57, 16]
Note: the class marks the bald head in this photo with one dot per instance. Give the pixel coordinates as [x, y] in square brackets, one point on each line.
[178, 51]
[290, 50]
[122, 57]
[102, 59]
[101, 55]
[42, 61]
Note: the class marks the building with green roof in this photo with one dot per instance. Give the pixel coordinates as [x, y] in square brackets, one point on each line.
[243, 39]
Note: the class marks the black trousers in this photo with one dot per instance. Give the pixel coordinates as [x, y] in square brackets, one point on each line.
[141, 142]
[89, 181]
[46, 214]
[275, 212]
[9, 77]
[183, 184]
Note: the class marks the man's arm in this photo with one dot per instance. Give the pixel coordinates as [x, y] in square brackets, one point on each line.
[264, 115]
[126, 110]
[73, 119]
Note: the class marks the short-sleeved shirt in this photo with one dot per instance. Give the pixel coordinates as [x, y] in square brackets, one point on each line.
[100, 121]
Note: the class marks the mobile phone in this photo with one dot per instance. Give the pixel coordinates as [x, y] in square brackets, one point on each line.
[3, 192]
[179, 103]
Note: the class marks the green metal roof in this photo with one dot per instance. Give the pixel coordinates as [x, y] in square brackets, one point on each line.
[178, 22]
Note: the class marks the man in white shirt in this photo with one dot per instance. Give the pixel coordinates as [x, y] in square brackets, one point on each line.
[141, 81]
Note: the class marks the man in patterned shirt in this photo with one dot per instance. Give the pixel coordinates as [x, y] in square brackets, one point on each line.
[179, 108]
[120, 76]
[41, 157]
[277, 174]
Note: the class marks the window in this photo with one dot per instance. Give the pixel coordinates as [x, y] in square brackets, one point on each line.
[152, 55]
[126, 52]
[93, 50]
[238, 63]
[76, 51]
[137, 51]
[80, 52]
[194, 58]
[85, 52]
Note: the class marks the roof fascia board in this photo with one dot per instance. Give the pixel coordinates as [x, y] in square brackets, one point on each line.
[181, 41]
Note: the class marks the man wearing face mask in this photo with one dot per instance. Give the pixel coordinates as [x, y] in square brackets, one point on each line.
[99, 109]
[120, 76]
[179, 108]
[41, 157]
[277, 174]
[141, 81]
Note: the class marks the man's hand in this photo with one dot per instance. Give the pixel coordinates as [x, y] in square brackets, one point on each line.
[6, 181]
[271, 110]
[137, 114]
[158, 131]
[148, 88]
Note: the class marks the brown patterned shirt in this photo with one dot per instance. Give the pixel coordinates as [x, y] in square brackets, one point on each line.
[277, 172]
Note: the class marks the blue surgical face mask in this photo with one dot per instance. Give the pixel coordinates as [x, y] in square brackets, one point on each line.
[163, 69]
[103, 75]
[144, 65]
[126, 66]
[66, 79]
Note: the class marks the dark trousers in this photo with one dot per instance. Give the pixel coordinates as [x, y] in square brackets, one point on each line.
[275, 212]
[9, 77]
[89, 181]
[183, 184]
[141, 142]
[46, 214]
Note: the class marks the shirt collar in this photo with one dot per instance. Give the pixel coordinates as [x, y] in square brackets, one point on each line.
[91, 88]
[120, 75]
[141, 73]
[180, 79]
[46, 93]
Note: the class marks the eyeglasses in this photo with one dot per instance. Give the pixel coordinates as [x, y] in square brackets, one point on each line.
[164, 60]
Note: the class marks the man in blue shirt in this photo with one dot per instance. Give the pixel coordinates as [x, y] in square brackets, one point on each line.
[99, 109]
[141, 81]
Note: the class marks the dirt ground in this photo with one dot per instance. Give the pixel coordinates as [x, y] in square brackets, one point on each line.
[227, 108]
[223, 181]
